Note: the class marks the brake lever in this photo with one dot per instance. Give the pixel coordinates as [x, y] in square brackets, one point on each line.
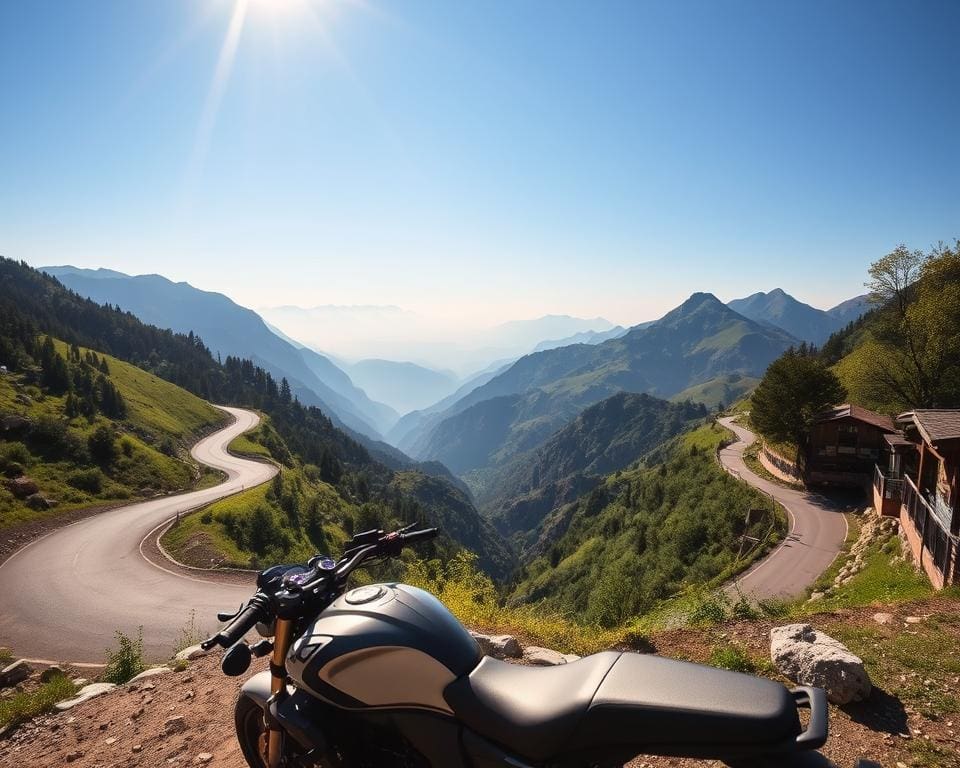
[223, 617]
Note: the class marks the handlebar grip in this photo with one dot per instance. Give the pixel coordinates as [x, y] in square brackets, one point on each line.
[246, 620]
[423, 535]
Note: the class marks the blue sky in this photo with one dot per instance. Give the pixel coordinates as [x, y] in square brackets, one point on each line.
[480, 162]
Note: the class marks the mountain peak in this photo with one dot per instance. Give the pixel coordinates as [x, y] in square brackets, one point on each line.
[697, 301]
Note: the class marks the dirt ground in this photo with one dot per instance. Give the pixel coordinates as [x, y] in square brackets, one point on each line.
[130, 726]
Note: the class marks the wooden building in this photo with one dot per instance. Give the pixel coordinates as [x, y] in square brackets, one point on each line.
[845, 445]
[922, 473]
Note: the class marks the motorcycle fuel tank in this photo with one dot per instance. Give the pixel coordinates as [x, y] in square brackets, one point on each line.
[383, 646]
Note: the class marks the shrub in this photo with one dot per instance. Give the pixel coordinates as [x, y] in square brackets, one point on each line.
[733, 657]
[190, 634]
[89, 480]
[15, 452]
[126, 661]
[207, 517]
[709, 608]
[102, 445]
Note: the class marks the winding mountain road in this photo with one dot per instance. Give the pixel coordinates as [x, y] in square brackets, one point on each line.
[818, 529]
[63, 596]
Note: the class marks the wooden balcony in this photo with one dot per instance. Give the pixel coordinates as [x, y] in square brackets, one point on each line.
[933, 546]
[886, 493]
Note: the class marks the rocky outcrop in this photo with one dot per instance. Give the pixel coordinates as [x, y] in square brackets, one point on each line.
[39, 502]
[190, 653]
[85, 694]
[22, 487]
[544, 657]
[809, 657]
[498, 646]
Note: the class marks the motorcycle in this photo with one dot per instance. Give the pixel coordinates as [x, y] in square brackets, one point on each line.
[384, 675]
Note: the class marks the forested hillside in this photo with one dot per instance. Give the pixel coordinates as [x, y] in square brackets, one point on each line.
[81, 429]
[643, 534]
[905, 353]
[301, 436]
[606, 437]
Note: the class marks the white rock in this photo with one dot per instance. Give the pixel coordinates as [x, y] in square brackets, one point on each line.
[191, 653]
[883, 618]
[498, 646]
[544, 657]
[148, 673]
[85, 694]
[809, 657]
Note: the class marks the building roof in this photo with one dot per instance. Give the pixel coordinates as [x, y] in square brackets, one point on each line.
[848, 410]
[897, 440]
[936, 425]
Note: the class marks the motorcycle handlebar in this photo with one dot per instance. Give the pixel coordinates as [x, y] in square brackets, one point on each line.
[239, 626]
[422, 535]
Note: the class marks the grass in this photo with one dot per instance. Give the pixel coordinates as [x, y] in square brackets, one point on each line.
[246, 445]
[157, 406]
[158, 414]
[29, 704]
[6, 656]
[734, 657]
[207, 531]
[918, 664]
[885, 579]
[472, 597]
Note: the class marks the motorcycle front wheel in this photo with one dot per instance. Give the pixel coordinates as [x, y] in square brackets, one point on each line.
[248, 719]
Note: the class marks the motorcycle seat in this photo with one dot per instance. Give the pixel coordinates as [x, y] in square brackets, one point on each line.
[621, 702]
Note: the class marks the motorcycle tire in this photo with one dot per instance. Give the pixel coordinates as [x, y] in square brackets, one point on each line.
[248, 720]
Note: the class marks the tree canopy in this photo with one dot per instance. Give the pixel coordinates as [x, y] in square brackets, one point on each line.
[796, 387]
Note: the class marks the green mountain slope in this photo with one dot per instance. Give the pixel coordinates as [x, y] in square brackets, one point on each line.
[695, 343]
[606, 437]
[80, 429]
[721, 391]
[644, 534]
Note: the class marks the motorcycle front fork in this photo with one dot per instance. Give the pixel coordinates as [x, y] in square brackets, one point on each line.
[271, 740]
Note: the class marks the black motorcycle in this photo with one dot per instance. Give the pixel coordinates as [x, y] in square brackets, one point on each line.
[383, 676]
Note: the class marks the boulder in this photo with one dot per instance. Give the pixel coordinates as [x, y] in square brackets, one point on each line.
[809, 657]
[148, 673]
[22, 487]
[191, 653]
[174, 724]
[15, 673]
[51, 672]
[85, 694]
[883, 618]
[498, 646]
[39, 502]
[544, 657]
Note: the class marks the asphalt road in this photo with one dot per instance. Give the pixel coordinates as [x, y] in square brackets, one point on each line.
[63, 596]
[817, 530]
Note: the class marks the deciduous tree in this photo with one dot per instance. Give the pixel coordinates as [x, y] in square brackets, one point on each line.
[794, 389]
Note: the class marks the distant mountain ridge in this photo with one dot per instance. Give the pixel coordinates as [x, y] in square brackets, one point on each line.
[584, 337]
[229, 329]
[698, 341]
[800, 320]
[404, 386]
